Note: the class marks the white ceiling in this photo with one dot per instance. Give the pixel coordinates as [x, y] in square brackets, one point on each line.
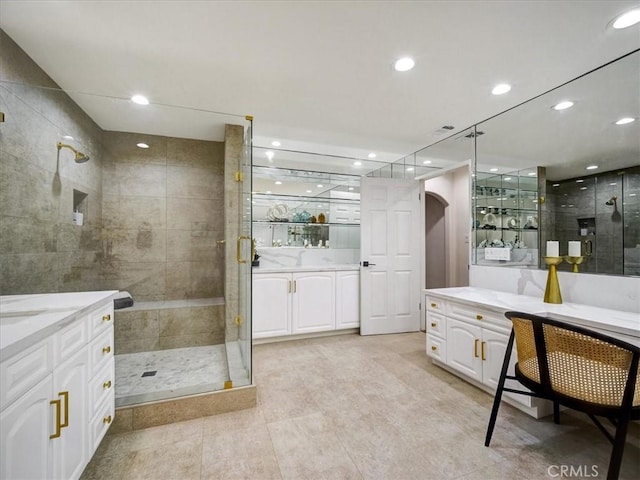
[318, 74]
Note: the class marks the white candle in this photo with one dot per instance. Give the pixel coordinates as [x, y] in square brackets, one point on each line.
[553, 248]
[574, 249]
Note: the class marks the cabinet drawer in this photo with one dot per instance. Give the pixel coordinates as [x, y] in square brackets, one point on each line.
[101, 351]
[100, 424]
[436, 348]
[436, 305]
[475, 315]
[436, 324]
[101, 319]
[70, 339]
[102, 386]
[25, 369]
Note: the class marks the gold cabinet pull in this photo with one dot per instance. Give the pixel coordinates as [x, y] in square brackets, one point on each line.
[433, 324]
[478, 317]
[434, 348]
[106, 385]
[65, 397]
[106, 420]
[106, 349]
[58, 425]
[106, 318]
[475, 348]
[434, 305]
[239, 258]
[482, 345]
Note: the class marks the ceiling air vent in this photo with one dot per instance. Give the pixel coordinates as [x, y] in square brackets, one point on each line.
[474, 134]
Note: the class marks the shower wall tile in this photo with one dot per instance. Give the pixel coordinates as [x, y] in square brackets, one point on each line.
[136, 345]
[195, 246]
[134, 212]
[191, 182]
[28, 273]
[140, 180]
[142, 244]
[195, 340]
[196, 153]
[193, 213]
[122, 148]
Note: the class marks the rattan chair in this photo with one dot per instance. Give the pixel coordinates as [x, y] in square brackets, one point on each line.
[577, 368]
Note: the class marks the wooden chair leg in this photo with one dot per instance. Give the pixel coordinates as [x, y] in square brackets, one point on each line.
[556, 413]
[618, 449]
[499, 390]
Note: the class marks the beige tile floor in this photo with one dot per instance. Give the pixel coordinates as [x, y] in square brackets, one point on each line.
[351, 407]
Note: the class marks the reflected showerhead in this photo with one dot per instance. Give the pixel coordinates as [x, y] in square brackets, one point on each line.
[79, 156]
[612, 201]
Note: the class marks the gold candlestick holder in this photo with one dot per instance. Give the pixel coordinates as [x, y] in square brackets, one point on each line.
[574, 261]
[552, 291]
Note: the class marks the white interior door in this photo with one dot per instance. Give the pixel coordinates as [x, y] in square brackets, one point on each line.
[390, 255]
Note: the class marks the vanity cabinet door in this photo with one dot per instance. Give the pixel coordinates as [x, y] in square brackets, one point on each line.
[348, 299]
[25, 426]
[493, 348]
[464, 348]
[70, 450]
[271, 304]
[314, 307]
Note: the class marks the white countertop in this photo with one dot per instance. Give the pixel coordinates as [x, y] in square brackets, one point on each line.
[27, 319]
[612, 321]
[307, 268]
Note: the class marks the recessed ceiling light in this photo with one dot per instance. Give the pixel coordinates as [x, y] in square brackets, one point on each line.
[140, 100]
[592, 167]
[372, 155]
[563, 105]
[308, 191]
[409, 169]
[579, 181]
[625, 120]
[403, 64]
[556, 184]
[357, 164]
[627, 19]
[507, 179]
[532, 174]
[501, 89]
[268, 192]
[632, 194]
[350, 188]
[583, 188]
[278, 182]
[493, 169]
[613, 184]
[268, 154]
[142, 145]
[426, 162]
[275, 143]
[320, 185]
[67, 137]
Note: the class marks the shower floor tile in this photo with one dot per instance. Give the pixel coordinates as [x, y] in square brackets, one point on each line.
[179, 371]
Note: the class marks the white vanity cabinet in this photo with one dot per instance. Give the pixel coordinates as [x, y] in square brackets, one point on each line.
[471, 341]
[46, 417]
[293, 303]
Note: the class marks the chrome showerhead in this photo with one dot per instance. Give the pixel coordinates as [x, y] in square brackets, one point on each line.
[612, 201]
[79, 156]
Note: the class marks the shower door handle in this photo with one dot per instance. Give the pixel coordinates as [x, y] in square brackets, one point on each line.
[238, 244]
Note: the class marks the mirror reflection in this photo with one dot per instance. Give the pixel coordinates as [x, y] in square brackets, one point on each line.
[586, 136]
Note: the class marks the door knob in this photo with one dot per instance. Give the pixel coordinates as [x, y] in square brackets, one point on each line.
[367, 264]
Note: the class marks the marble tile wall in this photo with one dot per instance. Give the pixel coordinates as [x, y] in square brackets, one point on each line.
[162, 329]
[163, 216]
[40, 249]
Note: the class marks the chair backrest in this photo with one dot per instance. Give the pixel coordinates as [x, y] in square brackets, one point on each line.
[576, 362]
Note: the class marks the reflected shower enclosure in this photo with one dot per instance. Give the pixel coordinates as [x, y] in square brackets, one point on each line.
[602, 211]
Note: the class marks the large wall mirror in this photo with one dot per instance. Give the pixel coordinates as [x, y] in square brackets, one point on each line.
[583, 141]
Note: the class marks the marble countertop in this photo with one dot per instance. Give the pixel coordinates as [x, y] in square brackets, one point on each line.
[613, 321]
[307, 268]
[27, 319]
